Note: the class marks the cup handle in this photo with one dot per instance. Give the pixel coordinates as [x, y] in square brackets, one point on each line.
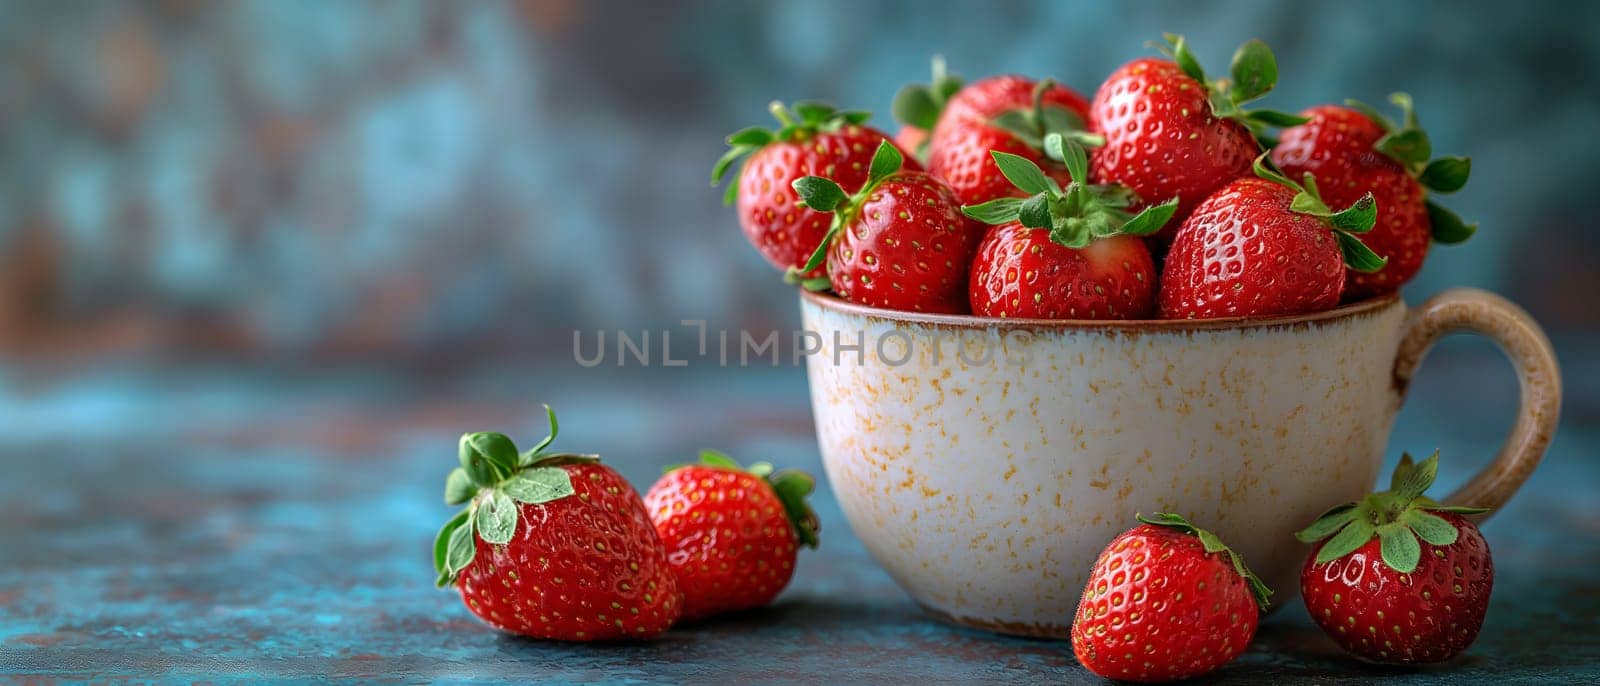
[1509, 326]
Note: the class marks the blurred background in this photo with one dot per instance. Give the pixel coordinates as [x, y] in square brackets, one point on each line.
[280, 235]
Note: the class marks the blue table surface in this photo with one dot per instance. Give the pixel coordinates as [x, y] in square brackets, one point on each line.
[206, 522]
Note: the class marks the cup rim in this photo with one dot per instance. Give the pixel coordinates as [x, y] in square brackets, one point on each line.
[829, 301]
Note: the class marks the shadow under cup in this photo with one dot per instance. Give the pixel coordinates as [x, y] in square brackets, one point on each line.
[985, 463]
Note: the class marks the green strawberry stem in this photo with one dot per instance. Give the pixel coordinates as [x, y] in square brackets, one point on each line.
[1252, 74]
[492, 481]
[1076, 215]
[1398, 517]
[824, 195]
[1408, 145]
[791, 486]
[1214, 544]
[1033, 125]
[1358, 218]
[803, 121]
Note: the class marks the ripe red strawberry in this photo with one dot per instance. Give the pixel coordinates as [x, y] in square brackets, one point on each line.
[553, 546]
[814, 139]
[1353, 151]
[900, 242]
[1070, 253]
[1262, 247]
[1166, 601]
[1384, 596]
[1170, 132]
[1006, 113]
[731, 535]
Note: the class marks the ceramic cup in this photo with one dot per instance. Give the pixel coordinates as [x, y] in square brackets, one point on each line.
[985, 463]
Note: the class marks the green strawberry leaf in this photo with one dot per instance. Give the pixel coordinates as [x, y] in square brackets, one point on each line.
[458, 487]
[538, 485]
[1070, 153]
[712, 458]
[753, 136]
[1275, 118]
[1180, 54]
[915, 106]
[496, 518]
[997, 211]
[1035, 211]
[1402, 471]
[1399, 547]
[1448, 228]
[817, 193]
[487, 457]
[1446, 174]
[792, 487]
[1264, 168]
[1022, 173]
[441, 542]
[1430, 527]
[533, 453]
[1357, 255]
[459, 551]
[1327, 523]
[885, 161]
[1359, 217]
[720, 169]
[1210, 542]
[1352, 536]
[813, 112]
[497, 447]
[1151, 219]
[1254, 72]
[1406, 146]
[1418, 479]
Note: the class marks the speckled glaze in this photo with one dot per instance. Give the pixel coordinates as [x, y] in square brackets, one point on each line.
[986, 483]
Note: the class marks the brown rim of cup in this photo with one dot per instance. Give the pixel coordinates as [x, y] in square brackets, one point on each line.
[829, 301]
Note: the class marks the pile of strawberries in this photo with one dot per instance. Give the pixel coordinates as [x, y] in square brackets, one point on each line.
[1163, 196]
[559, 546]
[1396, 578]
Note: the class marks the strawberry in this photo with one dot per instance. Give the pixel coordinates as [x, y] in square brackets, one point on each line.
[900, 242]
[1355, 150]
[1382, 594]
[1262, 247]
[731, 535]
[1070, 253]
[814, 139]
[552, 545]
[1166, 601]
[1171, 132]
[918, 107]
[1006, 113]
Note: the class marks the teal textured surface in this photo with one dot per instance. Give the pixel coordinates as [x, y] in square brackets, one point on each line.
[203, 525]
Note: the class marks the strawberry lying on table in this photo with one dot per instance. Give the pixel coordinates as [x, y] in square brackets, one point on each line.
[731, 534]
[1166, 601]
[1399, 577]
[553, 545]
